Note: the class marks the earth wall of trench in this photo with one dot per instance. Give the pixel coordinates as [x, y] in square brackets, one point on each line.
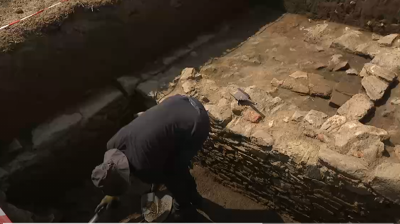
[59, 57]
[380, 16]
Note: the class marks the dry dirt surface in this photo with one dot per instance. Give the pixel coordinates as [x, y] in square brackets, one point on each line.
[221, 204]
[224, 205]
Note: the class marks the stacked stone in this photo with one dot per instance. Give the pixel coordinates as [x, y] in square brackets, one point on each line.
[305, 163]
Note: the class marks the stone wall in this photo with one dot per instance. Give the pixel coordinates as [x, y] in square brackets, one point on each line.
[311, 166]
[300, 172]
[374, 15]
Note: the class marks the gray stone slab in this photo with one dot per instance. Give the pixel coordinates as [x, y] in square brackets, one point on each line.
[388, 40]
[389, 60]
[348, 165]
[356, 108]
[379, 72]
[375, 87]
[386, 181]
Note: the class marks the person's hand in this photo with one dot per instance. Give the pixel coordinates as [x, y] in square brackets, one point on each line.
[105, 203]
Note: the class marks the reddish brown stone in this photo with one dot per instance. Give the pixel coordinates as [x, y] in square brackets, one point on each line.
[252, 116]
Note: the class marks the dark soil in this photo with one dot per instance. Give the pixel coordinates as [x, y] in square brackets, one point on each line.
[374, 15]
[53, 60]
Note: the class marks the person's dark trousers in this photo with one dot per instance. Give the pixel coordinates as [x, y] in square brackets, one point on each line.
[183, 188]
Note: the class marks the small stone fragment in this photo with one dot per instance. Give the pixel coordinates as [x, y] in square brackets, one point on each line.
[188, 86]
[275, 82]
[299, 74]
[388, 40]
[271, 124]
[299, 115]
[374, 87]
[351, 71]
[379, 72]
[315, 118]
[319, 48]
[188, 73]
[344, 65]
[19, 11]
[286, 119]
[252, 116]
[356, 108]
[395, 101]
[333, 123]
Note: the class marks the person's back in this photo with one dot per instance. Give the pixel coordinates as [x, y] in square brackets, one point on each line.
[152, 140]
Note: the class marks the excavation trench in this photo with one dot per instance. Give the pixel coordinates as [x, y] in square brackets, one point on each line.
[86, 69]
[68, 62]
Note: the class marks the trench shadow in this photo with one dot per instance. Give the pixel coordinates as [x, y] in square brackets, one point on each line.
[219, 214]
[229, 35]
[240, 29]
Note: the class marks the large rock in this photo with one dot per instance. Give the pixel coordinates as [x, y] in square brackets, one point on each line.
[333, 123]
[348, 165]
[374, 87]
[389, 60]
[315, 118]
[320, 86]
[188, 86]
[386, 181]
[220, 112]
[187, 73]
[299, 85]
[388, 40]
[241, 127]
[354, 130]
[356, 108]
[370, 48]
[368, 149]
[262, 137]
[379, 72]
[299, 115]
[349, 41]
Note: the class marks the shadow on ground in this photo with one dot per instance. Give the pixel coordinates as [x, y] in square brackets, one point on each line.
[217, 213]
